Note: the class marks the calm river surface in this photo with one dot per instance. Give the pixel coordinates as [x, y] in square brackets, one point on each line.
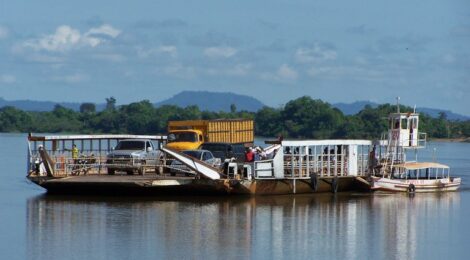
[325, 226]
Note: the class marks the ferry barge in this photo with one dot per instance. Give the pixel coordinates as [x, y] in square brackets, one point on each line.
[307, 166]
[290, 167]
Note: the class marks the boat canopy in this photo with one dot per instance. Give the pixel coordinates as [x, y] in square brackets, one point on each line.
[421, 165]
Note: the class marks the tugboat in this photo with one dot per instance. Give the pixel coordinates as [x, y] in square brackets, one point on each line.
[393, 172]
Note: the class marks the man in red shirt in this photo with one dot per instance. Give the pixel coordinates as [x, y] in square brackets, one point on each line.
[249, 155]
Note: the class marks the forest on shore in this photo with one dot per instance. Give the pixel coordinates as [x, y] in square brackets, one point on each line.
[303, 117]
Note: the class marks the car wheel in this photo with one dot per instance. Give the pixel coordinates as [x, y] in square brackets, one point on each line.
[111, 171]
[130, 172]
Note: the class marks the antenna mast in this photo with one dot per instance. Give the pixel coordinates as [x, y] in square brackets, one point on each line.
[398, 105]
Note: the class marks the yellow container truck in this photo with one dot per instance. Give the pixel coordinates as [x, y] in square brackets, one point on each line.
[190, 134]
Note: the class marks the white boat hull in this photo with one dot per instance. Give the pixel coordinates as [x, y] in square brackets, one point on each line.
[400, 185]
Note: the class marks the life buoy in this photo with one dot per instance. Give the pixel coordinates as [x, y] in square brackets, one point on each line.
[411, 188]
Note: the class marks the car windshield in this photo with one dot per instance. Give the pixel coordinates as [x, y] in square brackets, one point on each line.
[195, 154]
[130, 145]
[219, 154]
[182, 137]
[214, 147]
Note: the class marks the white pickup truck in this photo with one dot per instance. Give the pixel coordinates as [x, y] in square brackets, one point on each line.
[132, 155]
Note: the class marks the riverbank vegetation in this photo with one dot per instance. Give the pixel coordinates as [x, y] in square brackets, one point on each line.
[300, 118]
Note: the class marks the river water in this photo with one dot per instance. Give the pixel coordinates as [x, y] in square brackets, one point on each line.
[324, 226]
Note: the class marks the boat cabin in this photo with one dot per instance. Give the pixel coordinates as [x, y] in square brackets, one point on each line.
[324, 158]
[420, 171]
[403, 130]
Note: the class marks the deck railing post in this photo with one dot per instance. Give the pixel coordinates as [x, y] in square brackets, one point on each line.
[321, 160]
[335, 160]
[307, 163]
[329, 161]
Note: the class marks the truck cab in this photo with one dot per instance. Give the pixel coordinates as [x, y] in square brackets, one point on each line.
[189, 139]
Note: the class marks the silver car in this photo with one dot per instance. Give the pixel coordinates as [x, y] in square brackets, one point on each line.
[202, 155]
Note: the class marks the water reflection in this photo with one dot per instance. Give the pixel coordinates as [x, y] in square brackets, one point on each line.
[322, 226]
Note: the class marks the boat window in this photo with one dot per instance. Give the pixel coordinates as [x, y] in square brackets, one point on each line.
[396, 124]
[432, 173]
[404, 123]
[412, 174]
[130, 145]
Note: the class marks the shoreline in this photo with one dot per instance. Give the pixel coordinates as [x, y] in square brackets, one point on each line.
[451, 140]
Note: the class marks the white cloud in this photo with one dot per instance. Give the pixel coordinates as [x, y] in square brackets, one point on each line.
[220, 52]
[112, 57]
[66, 38]
[7, 79]
[170, 50]
[177, 70]
[4, 32]
[104, 29]
[353, 72]
[239, 70]
[315, 54]
[449, 58]
[73, 78]
[284, 74]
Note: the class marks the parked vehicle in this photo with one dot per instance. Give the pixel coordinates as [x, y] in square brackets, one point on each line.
[202, 155]
[226, 150]
[189, 135]
[132, 155]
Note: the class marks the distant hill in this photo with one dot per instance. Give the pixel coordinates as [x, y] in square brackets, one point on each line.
[216, 101]
[213, 101]
[435, 113]
[356, 107]
[32, 105]
[353, 108]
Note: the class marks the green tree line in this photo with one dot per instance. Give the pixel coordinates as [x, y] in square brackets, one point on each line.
[303, 117]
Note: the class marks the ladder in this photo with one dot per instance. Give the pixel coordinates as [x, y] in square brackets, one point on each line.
[394, 154]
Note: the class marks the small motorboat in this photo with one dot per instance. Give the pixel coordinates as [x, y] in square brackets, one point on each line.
[417, 177]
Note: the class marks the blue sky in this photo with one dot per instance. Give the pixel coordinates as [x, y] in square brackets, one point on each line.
[339, 51]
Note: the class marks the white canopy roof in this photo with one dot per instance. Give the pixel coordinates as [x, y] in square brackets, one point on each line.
[421, 165]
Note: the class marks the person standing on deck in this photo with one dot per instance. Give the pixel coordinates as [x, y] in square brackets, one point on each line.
[249, 155]
[75, 152]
